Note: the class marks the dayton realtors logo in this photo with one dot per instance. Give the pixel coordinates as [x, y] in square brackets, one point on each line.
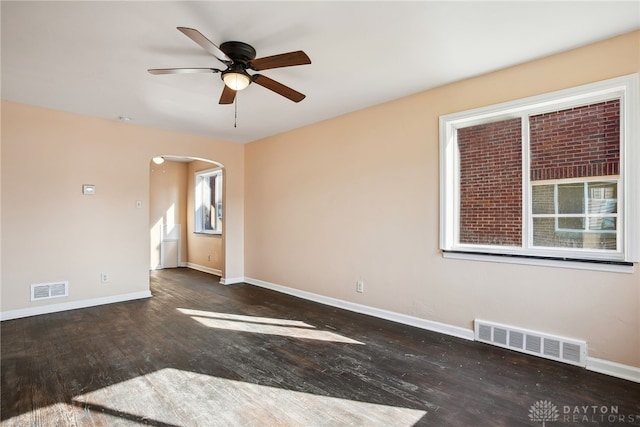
[544, 411]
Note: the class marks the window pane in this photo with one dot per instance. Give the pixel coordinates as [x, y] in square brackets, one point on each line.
[600, 240]
[571, 223]
[543, 199]
[208, 201]
[545, 234]
[210, 209]
[603, 197]
[603, 224]
[571, 198]
[577, 142]
[491, 183]
[570, 144]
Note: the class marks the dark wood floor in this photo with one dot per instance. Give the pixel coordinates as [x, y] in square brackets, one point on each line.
[202, 354]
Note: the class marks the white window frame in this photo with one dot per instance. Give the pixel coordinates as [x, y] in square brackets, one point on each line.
[625, 89]
[200, 196]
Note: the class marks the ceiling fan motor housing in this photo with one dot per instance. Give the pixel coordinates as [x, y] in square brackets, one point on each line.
[239, 52]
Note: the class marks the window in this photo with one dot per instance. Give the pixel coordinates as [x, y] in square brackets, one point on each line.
[208, 201]
[552, 177]
[575, 214]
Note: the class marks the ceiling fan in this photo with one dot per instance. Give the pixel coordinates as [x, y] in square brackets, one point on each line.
[238, 58]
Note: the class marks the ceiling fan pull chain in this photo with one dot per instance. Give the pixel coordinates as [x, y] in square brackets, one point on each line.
[235, 118]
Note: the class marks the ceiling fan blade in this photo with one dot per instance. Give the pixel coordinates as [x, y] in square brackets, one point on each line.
[183, 70]
[205, 43]
[282, 60]
[278, 88]
[228, 95]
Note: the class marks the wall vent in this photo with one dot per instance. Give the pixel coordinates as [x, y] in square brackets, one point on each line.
[41, 291]
[553, 347]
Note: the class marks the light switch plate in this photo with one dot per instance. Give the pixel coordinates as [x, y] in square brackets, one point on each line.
[88, 189]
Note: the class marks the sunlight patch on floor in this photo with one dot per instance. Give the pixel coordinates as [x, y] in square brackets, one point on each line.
[264, 325]
[64, 414]
[172, 397]
[242, 318]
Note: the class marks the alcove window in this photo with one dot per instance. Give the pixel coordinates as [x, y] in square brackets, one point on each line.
[208, 201]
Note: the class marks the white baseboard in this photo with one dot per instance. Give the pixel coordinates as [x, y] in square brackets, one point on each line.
[54, 308]
[231, 280]
[204, 269]
[613, 369]
[371, 311]
[161, 267]
[215, 272]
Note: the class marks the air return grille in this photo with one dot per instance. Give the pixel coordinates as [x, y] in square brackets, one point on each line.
[536, 343]
[49, 290]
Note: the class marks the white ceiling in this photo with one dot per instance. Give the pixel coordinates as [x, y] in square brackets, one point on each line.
[92, 57]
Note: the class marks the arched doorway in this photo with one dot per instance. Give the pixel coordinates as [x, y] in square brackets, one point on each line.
[186, 193]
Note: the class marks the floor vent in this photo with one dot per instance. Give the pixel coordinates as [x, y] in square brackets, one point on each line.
[536, 343]
[49, 290]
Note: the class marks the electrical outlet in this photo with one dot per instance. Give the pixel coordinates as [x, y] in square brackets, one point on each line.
[209, 257]
[360, 286]
[104, 277]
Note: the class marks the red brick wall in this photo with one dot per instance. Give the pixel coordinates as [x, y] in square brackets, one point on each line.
[491, 183]
[577, 142]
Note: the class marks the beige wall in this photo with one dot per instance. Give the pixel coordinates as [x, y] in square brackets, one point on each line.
[205, 250]
[167, 206]
[356, 197]
[51, 232]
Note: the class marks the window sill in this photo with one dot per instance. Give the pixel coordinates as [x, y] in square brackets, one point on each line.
[207, 233]
[612, 267]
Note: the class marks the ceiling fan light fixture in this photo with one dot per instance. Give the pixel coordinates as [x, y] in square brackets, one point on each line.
[236, 81]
